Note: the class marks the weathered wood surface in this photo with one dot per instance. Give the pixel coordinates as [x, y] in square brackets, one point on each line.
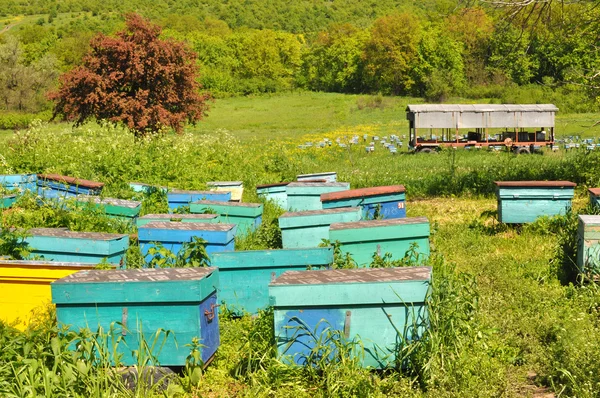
[172, 235]
[532, 199]
[330, 176]
[307, 195]
[59, 244]
[370, 305]
[247, 216]
[25, 287]
[245, 275]
[395, 236]
[309, 228]
[236, 188]
[206, 218]
[384, 201]
[139, 303]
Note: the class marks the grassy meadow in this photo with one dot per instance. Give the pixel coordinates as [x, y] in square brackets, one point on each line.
[509, 317]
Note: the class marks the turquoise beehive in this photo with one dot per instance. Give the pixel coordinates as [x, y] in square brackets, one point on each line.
[374, 308]
[588, 244]
[137, 303]
[303, 196]
[247, 216]
[274, 192]
[148, 218]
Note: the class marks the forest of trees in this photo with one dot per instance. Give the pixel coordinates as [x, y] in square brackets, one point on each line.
[436, 49]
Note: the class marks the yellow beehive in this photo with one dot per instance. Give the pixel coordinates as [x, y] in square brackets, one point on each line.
[235, 187]
[25, 287]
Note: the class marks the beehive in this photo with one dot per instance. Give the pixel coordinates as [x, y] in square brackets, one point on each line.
[594, 196]
[303, 196]
[19, 182]
[588, 243]
[524, 201]
[25, 287]
[245, 275]
[146, 188]
[206, 218]
[330, 176]
[128, 209]
[172, 235]
[309, 228]
[396, 236]
[274, 192]
[178, 198]
[236, 188]
[57, 186]
[377, 202]
[58, 244]
[141, 302]
[7, 201]
[377, 307]
[247, 216]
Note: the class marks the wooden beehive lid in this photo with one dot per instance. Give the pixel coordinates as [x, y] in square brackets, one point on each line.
[317, 184]
[594, 191]
[277, 184]
[190, 192]
[362, 192]
[535, 184]
[37, 263]
[63, 233]
[228, 204]
[184, 226]
[589, 219]
[307, 213]
[169, 217]
[71, 181]
[131, 204]
[225, 183]
[360, 275]
[378, 223]
[138, 275]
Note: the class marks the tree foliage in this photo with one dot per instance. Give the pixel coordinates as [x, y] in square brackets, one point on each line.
[135, 78]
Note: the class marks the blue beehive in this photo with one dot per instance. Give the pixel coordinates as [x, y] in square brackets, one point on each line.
[172, 235]
[274, 192]
[57, 186]
[245, 275]
[19, 182]
[141, 302]
[148, 218]
[377, 308]
[146, 188]
[58, 244]
[376, 202]
[178, 198]
[525, 201]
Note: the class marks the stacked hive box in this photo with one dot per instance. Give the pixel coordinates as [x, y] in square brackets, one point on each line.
[179, 198]
[377, 307]
[206, 218]
[247, 216]
[138, 303]
[245, 275]
[377, 202]
[302, 196]
[397, 236]
[524, 201]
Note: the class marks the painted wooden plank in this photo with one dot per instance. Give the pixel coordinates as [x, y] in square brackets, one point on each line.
[25, 287]
[7, 201]
[19, 182]
[113, 206]
[376, 202]
[588, 243]
[307, 195]
[148, 218]
[367, 305]
[245, 275]
[309, 228]
[142, 302]
[330, 176]
[236, 188]
[395, 236]
[179, 197]
[247, 216]
[172, 235]
[87, 247]
[274, 192]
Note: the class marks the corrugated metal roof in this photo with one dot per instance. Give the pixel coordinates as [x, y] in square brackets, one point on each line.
[481, 108]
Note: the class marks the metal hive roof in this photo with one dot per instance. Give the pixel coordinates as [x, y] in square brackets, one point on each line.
[481, 108]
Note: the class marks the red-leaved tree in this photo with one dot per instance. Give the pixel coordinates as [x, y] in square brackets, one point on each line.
[135, 78]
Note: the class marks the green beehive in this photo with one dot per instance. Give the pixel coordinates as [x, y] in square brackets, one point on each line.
[148, 218]
[524, 201]
[247, 216]
[309, 228]
[274, 192]
[303, 196]
[375, 308]
[588, 243]
[395, 236]
[113, 207]
[7, 201]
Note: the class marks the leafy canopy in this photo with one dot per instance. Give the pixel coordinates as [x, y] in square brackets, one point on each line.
[135, 78]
